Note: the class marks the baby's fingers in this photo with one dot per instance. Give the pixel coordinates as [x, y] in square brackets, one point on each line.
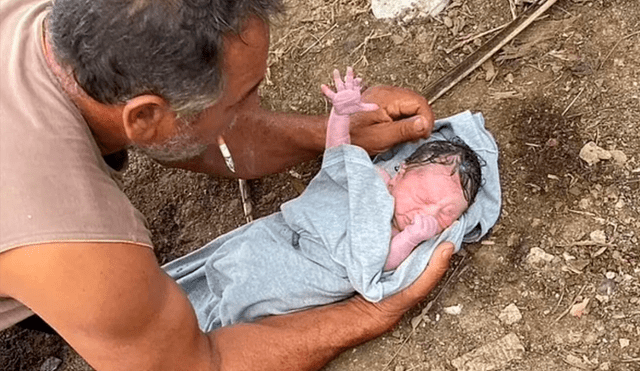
[338, 80]
[327, 92]
[348, 79]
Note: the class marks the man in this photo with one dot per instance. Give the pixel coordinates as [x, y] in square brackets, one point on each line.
[81, 81]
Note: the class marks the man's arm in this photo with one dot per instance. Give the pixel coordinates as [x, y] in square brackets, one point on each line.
[265, 142]
[120, 311]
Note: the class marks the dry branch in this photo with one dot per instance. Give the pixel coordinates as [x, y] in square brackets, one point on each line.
[438, 88]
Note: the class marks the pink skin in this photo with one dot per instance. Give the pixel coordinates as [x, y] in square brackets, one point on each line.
[346, 101]
[428, 199]
[430, 189]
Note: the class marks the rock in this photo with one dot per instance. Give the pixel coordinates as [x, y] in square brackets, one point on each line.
[624, 343]
[397, 39]
[491, 356]
[50, 364]
[453, 310]
[577, 310]
[619, 158]
[610, 275]
[582, 364]
[510, 314]
[394, 8]
[592, 154]
[537, 257]
[598, 236]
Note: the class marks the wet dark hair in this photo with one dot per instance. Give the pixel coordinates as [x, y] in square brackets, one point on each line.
[120, 49]
[452, 152]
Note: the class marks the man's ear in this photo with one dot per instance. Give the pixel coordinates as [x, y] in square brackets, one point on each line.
[148, 119]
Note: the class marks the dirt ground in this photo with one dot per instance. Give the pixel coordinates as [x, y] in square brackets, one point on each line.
[569, 230]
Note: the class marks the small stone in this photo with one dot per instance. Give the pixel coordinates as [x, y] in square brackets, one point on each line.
[619, 158]
[51, 364]
[602, 298]
[610, 275]
[598, 236]
[491, 356]
[605, 366]
[624, 343]
[538, 256]
[453, 310]
[397, 39]
[510, 314]
[585, 203]
[592, 154]
[447, 21]
[399, 368]
[582, 364]
[577, 310]
[392, 9]
[509, 78]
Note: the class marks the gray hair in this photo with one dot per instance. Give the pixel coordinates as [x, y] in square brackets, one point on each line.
[120, 49]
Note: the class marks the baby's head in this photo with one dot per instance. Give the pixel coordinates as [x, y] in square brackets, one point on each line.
[440, 178]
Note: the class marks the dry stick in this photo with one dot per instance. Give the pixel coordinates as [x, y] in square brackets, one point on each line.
[247, 207]
[438, 88]
[572, 102]
[428, 306]
[466, 41]
[615, 46]
[512, 7]
[319, 39]
[571, 304]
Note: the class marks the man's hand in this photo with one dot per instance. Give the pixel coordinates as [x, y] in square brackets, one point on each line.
[403, 116]
[389, 311]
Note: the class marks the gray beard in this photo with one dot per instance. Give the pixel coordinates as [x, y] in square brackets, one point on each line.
[180, 148]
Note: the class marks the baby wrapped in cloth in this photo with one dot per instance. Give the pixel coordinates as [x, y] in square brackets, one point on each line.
[332, 241]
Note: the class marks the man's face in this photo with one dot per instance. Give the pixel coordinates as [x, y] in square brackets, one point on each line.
[244, 66]
[430, 189]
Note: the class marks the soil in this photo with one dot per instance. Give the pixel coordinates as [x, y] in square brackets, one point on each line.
[569, 230]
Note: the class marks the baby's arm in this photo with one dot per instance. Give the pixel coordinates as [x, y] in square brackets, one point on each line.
[346, 101]
[423, 228]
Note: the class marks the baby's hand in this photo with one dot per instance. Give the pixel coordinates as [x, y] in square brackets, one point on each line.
[346, 100]
[422, 228]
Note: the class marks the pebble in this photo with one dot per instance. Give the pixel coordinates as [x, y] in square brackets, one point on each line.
[598, 236]
[538, 256]
[51, 364]
[453, 310]
[510, 314]
[592, 154]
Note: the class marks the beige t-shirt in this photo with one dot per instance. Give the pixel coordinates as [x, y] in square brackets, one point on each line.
[55, 185]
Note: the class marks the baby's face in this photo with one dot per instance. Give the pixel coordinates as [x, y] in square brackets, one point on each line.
[429, 190]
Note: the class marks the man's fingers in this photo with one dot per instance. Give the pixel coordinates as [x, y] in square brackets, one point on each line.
[413, 128]
[433, 274]
[368, 107]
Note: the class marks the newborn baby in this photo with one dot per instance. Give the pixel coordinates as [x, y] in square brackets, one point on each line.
[351, 231]
[432, 189]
